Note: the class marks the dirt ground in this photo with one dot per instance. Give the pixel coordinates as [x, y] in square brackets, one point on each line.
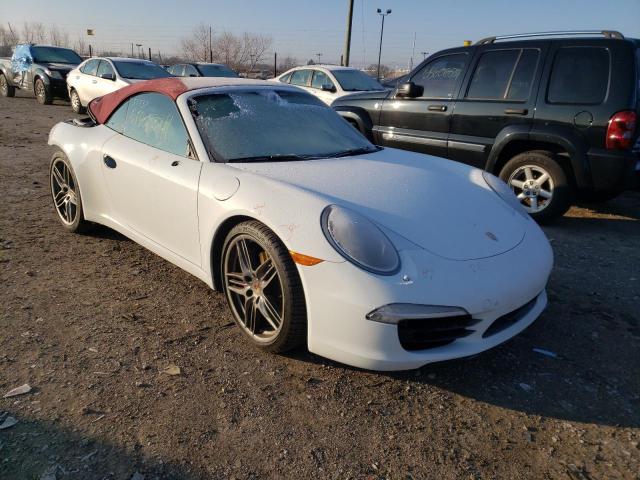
[91, 322]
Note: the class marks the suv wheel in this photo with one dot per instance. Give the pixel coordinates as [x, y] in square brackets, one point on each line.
[43, 94]
[540, 184]
[6, 90]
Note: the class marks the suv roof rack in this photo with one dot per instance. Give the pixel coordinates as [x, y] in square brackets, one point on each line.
[604, 33]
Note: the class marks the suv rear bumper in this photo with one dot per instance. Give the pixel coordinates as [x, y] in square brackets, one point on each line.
[611, 169]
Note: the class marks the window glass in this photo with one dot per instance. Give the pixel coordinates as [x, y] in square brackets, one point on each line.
[91, 67]
[140, 70]
[117, 119]
[320, 79]
[356, 81]
[209, 70]
[175, 70]
[55, 55]
[492, 74]
[580, 75]
[278, 122]
[190, 71]
[439, 77]
[153, 118]
[285, 78]
[105, 67]
[520, 87]
[300, 77]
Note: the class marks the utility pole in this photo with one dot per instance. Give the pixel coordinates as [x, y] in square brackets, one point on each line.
[275, 64]
[131, 49]
[149, 53]
[424, 55]
[347, 39]
[382, 14]
[210, 46]
[319, 55]
[413, 52]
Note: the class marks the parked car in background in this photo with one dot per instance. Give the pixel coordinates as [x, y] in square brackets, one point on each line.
[200, 69]
[378, 258]
[553, 114]
[101, 75]
[40, 69]
[329, 82]
[392, 83]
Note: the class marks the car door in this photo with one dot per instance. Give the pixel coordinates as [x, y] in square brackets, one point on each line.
[421, 124]
[83, 81]
[499, 93]
[320, 80]
[105, 85]
[151, 175]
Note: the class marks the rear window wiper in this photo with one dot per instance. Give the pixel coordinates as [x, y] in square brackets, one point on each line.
[273, 158]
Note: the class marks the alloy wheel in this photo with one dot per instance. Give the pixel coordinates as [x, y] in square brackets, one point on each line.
[40, 93]
[64, 193]
[254, 288]
[533, 186]
[75, 101]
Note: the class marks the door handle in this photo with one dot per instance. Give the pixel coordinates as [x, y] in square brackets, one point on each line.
[437, 108]
[175, 163]
[109, 162]
[516, 111]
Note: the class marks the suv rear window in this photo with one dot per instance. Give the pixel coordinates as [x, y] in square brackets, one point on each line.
[504, 75]
[580, 75]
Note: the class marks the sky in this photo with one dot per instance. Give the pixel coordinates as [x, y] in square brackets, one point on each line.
[303, 28]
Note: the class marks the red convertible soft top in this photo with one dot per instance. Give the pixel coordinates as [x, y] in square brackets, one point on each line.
[101, 108]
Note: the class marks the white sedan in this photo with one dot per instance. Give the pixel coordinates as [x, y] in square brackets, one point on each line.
[375, 257]
[328, 82]
[98, 76]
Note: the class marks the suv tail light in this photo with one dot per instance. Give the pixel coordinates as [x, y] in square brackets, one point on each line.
[622, 127]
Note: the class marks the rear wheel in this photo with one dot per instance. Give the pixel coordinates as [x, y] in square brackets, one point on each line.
[66, 194]
[76, 104]
[540, 183]
[6, 90]
[43, 94]
[263, 288]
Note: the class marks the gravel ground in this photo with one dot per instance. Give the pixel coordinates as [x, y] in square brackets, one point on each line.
[91, 323]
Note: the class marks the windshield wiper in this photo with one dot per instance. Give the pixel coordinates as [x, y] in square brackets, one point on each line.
[352, 152]
[274, 158]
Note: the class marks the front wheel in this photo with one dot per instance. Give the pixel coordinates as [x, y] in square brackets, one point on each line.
[66, 194]
[540, 183]
[43, 94]
[6, 90]
[76, 104]
[263, 288]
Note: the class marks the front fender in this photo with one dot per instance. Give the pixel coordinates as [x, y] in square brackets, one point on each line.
[359, 116]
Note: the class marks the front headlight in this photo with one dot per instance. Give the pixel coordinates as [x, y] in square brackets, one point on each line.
[504, 192]
[359, 240]
[54, 74]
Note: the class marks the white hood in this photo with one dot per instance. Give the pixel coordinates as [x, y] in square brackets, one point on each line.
[443, 206]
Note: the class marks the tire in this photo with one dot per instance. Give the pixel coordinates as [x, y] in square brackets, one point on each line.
[76, 105]
[599, 196]
[6, 90]
[42, 93]
[65, 192]
[246, 288]
[540, 184]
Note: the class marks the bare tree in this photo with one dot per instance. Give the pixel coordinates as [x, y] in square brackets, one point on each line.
[288, 62]
[8, 39]
[80, 45]
[57, 37]
[195, 47]
[255, 47]
[33, 32]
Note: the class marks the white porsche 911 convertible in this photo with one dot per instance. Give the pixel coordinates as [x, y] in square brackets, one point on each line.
[378, 258]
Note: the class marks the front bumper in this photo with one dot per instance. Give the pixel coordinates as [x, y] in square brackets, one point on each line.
[611, 169]
[339, 296]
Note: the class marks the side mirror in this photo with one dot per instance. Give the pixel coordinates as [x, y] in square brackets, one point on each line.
[327, 87]
[409, 90]
[108, 76]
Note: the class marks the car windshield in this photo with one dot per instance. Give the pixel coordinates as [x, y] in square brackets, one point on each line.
[54, 55]
[356, 81]
[216, 71]
[140, 70]
[273, 125]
